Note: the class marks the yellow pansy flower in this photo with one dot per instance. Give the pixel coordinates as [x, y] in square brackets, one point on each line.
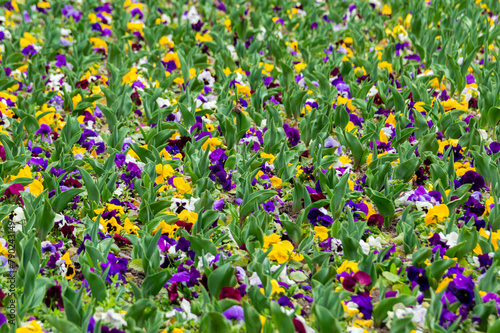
[341, 100]
[167, 229]
[165, 42]
[451, 142]
[111, 226]
[283, 251]
[321, 233]
[172, 56]
[348, 266]
[386, 65]
[277, 289]
[245, 90]
[32, 327]
[130, 76]
[270, 156]
[76, 99]
[418, 106]
[70, 268]
[462, 168]
[78, 150]
[351, 311]
[48, 118]
[203, 38]
[36, 188]
[452, 104]
[300, 66]
[25, 172]
[227, 24]
[182, 186]
[164, 172]
[443, 284]
[98, 43]
[187, 216]
[344, 159]
[350, 127]
[391, 120]
[130, 228]
[487, 204]
[386, 10]
[135, 26]
[27, 40]
[271, 240]
[276, 182]
[437, 214]
[213, 142]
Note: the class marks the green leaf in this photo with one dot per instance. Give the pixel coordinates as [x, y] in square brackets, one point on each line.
[45, 220]
[405, 170]
[384, 205]
[356, 148]
[281, 321]
[214, 322]
[96, 284]
[391, 277]
[60, 201]
[403, 325]
[136, 264]
[398, 100]
[327, 322]
[152, 284]
[62, 325]
[292, 230]
[429, 143]
[201, 244]
[252, 318]
[92, 191]
[141, 311]
[298, 276]
[494, 115]
[489, 282]
[223, 276]
[438, 267]
[254, 200]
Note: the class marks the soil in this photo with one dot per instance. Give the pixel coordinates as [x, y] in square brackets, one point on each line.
[287, 209]
[230, 197]
[137, 276]
[392, 230]
[306, 307]
[376, 295]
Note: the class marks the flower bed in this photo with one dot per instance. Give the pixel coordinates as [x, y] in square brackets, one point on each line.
[249, 166]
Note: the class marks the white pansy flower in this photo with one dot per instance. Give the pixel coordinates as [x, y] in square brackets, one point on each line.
[254, 280]
[451, 238]
[192, 15]
[163, 102]
[18, 215]
[111, 317]
[207, 78]
[365, 247]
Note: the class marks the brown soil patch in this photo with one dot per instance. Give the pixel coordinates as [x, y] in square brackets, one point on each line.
[287, 209]
[392, 229]
[136, 276]
[306, 307]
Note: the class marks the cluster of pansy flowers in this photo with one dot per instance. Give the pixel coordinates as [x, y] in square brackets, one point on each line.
[292, 289]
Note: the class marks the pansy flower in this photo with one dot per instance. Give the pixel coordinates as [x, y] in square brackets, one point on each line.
[66, 266]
